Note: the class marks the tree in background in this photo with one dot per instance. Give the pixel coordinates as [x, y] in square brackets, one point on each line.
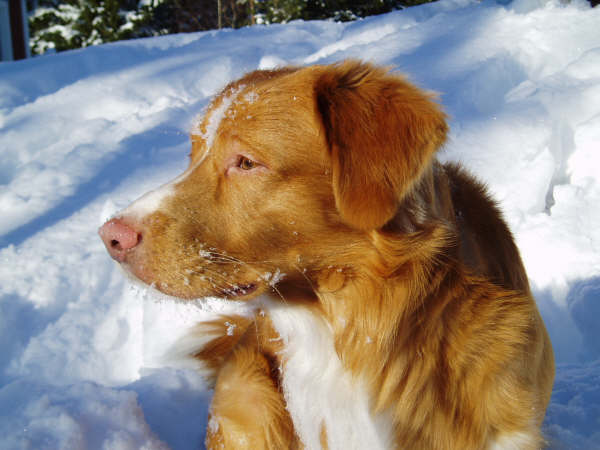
[65, 24]
[346, 10]
[57, 25]
[277, 11]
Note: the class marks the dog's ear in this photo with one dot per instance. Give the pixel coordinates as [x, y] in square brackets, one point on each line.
[382, 132]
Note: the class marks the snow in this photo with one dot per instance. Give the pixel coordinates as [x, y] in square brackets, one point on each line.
[215, 117]
[84, 133]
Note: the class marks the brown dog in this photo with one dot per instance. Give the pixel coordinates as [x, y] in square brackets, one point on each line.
[395, 309]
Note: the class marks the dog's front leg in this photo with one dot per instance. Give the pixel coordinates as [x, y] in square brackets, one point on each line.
[248, 409]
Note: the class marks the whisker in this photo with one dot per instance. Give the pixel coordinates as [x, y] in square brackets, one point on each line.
[303, 273]
[216, 277]
[223, 257]
[280, 294]
[219, 257]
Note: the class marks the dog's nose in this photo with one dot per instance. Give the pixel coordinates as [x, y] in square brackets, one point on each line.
[118, 238]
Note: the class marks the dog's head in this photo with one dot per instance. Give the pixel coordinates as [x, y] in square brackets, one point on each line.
[289, 170]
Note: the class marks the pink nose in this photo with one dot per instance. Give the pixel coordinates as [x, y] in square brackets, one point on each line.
[118, 238]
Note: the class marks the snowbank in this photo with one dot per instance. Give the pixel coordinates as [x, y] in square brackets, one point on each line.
[84, 133]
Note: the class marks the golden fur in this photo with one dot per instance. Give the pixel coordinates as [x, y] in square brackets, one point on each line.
[345, 201]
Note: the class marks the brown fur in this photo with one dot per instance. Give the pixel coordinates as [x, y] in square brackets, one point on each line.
[382, 133]
[248, 402]
[350, 204]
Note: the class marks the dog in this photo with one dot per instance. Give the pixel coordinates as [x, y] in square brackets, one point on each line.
[392, 306]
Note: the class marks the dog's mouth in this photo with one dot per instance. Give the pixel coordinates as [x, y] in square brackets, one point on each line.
[209, 281]
[237, 292]
[242, 290]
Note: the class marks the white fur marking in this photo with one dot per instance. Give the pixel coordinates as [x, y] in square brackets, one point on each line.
[148, 203]
[318, 390]
[153, 200]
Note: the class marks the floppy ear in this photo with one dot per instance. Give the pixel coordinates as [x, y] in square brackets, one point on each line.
[382, 132]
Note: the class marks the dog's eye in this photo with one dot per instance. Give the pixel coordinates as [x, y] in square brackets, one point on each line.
[242, 165]
[246, 164]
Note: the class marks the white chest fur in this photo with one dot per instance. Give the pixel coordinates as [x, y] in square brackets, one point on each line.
[317, 389]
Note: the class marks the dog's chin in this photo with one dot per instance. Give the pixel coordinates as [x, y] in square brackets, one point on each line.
[242, 291]
[149, 289]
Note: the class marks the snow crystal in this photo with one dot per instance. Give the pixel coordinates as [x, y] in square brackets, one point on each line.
[213, 424]
[230, 328]
[251, 97]
[273, 278]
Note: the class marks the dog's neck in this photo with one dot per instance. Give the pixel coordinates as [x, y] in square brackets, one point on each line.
[377, 305]
[413, 263]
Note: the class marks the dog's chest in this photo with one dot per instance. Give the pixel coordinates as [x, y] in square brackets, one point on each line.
[322, 398]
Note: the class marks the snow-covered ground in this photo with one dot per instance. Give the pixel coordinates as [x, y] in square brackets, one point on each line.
[84, 133]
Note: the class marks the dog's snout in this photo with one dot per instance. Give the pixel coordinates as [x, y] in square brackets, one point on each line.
[118, 237]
